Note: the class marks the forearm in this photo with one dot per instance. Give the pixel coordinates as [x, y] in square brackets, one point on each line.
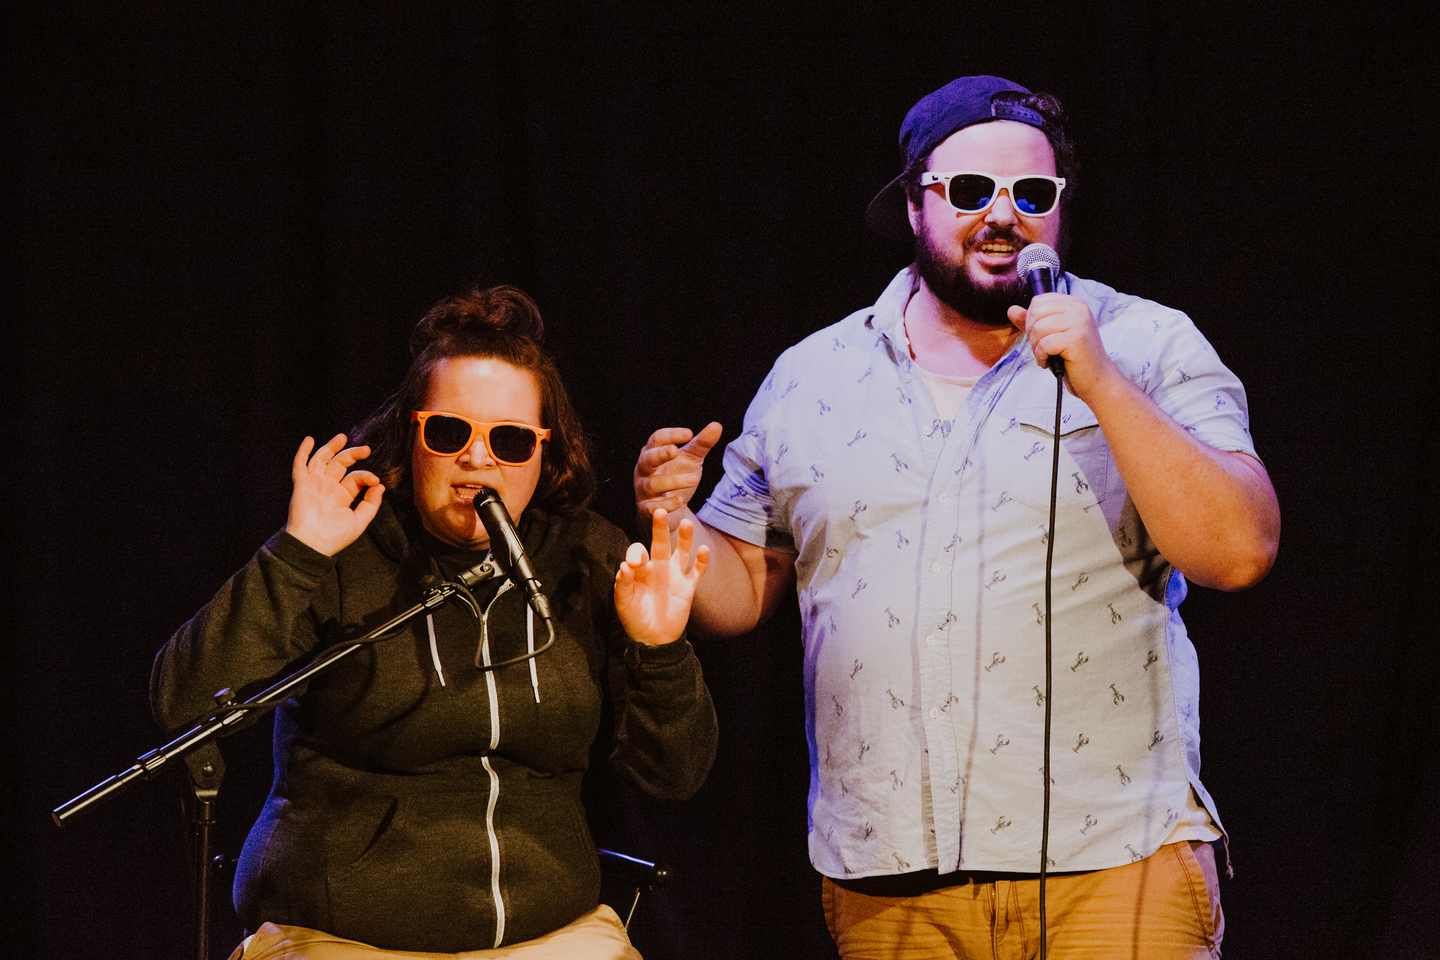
[255, 625]
[742, 585]
[667, 731]
[1212, 513]
[743, 582]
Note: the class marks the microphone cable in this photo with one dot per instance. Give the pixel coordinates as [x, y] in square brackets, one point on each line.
[1057, 366]
[1040, 265]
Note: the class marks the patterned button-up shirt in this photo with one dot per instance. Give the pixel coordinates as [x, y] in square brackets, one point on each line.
[920, 564]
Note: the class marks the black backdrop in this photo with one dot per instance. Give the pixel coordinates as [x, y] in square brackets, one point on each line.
[229, 215]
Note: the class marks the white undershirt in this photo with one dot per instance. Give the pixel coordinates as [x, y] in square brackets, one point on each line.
[947, 393]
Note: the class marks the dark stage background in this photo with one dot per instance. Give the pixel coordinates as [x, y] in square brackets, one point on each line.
[228, 216]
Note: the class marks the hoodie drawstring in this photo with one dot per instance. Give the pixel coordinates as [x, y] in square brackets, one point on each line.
[434, 647]
[530, 649]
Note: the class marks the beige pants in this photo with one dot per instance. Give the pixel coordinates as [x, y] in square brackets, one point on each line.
[597, 935]
[1165, 907]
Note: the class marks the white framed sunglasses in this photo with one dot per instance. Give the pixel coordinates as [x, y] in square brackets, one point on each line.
[1033, 194]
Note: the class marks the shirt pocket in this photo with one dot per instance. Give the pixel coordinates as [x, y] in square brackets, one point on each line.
[1028, 456]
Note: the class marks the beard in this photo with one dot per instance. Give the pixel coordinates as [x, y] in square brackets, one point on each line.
[952, 285]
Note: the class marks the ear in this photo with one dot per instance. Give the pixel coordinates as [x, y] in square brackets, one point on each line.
[914, 212]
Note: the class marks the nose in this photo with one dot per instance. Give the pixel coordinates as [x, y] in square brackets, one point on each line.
[477, 454]
[1002, 210]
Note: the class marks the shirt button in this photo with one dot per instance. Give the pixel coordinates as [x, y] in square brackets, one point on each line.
[934, 568]
[944, 499]
[934, 713]
[930, 639]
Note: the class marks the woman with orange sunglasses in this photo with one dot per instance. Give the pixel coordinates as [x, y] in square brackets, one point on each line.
[427, 789]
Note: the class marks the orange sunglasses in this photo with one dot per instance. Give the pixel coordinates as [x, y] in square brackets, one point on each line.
[446, 434]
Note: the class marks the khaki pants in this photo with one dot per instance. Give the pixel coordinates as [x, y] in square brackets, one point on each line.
[597, 935]
[1165, 906]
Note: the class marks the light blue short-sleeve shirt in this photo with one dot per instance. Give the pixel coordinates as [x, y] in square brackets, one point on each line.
[920, 555]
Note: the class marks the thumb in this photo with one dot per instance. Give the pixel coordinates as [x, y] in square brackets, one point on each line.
[703, 442]
[366, 509]
[1019, 316]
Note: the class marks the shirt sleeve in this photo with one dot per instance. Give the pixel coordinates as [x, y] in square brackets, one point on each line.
[1165, 354]
[741, 504]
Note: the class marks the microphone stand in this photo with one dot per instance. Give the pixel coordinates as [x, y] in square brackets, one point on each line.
[207, 771]
[201, 753]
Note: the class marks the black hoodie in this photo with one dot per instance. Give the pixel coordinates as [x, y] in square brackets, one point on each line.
[419, 803]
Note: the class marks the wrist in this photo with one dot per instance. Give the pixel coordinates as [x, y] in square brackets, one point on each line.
[313, 539]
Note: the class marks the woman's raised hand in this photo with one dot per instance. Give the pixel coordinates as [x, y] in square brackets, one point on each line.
[323, 513]
[653, 590]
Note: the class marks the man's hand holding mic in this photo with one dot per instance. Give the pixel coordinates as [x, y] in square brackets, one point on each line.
[1060, 328]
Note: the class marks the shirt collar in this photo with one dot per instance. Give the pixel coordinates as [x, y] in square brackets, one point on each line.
[890, 307]
[889, 313]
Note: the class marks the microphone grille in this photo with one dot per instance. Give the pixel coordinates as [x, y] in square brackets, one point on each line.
[1037, 255]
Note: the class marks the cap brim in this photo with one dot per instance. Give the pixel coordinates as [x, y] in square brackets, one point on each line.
[887, 214]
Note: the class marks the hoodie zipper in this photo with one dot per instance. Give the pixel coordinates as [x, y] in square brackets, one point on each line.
[490, 834]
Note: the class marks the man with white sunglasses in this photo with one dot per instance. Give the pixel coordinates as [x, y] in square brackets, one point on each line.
[896, 469]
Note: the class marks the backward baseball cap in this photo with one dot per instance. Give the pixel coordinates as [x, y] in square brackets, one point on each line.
[960, 103]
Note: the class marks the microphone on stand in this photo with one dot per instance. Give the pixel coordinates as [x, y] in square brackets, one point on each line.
[1040, 264]
[505, 544]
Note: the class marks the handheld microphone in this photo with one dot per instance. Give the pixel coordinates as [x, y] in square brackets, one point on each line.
[1040, 264]
[505, 543]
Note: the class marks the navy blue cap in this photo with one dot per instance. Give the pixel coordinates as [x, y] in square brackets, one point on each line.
[960, 103]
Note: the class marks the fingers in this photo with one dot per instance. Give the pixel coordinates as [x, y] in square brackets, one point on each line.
[1062, 325]
[348, 457]
[327, 453]
[660, 536]
[661, 557]
[704, 441]
[662, 447]
[665, 445]
[1024, 321]
[1018, 316]
[659, 485]
[302, 458]
[366, 509]
[653, 592]
[357, 480]
[667, 474]
[685, 544]
[684, 549]
[653, 458]
[636, 556]
[669, 436]
[1048, 324]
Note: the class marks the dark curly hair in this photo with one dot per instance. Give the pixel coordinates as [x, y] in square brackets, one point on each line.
[503, 323]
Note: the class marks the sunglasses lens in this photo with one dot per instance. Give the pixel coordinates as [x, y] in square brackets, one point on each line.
[446, 434]
[971, 191]
[512, 444]
[1035, 195]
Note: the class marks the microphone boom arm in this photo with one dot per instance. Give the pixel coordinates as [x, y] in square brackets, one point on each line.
[233, 715]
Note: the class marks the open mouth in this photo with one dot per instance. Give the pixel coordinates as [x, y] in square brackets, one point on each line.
[999, 249]
[467, 491]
